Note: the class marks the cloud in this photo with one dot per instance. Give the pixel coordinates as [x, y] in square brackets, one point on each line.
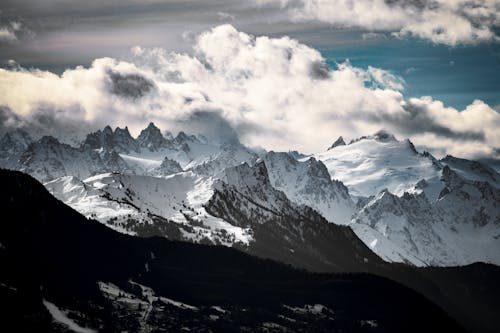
[7, 35]
[271, 92]
[129, 85]
[13, 31]
[225, 16]
[449, 22]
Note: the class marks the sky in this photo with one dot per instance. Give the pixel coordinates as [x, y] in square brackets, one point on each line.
[279, 74]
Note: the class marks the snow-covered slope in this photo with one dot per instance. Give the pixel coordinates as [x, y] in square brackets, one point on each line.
[373, 163]
[191, 152]
[309, 183]
[472, 170]
[461, 227]
[167, 167]
[142, 204]
[228, 156]
[284, 230]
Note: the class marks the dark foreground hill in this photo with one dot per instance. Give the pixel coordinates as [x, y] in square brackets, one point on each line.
[60, 272]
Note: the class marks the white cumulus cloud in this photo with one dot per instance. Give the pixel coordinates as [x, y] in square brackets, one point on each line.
[449, 22]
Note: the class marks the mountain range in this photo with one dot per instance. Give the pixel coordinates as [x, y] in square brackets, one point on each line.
[374, 205]
[62, 272]
[404, 205]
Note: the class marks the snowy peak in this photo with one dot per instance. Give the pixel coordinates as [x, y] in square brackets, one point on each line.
[370, 164]
[459, 227]
[99, 139]
[227, 155]
[467, 201]
[308, 183]
[167, 167]
[451, 178]
[472, 170]
[297, 155]
[246, 178]
[119, 140]
[151, 138]
[339, 142]
[182, 138]
[47, 159]
[123, 141]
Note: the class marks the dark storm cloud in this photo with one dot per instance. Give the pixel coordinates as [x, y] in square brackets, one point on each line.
[9, 120]
[416, 121]
[320, 70]
[131, 86]
[70, 33]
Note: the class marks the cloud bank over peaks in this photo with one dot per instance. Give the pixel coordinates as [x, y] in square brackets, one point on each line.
[274, 93]
[449, 22]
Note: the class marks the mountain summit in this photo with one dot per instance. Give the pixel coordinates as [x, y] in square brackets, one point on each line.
[339, 142]
[151, 138]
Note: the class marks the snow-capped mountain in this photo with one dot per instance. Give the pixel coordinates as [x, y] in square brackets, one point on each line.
[228, 156]
[339, 142]
[372, 163]
[309, 183]
[47, 159]
[461, 227]
[281, 229]
[117, 151]
[120, 140]
[152, 139]
[472, 170]
[404, 205]
[144, 205]
[167, 167]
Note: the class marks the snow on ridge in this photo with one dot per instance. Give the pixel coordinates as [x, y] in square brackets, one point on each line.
[369, 165]
[61, 317]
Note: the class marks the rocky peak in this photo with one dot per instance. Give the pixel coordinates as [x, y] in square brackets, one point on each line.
[411, 146]
[123, 141]
[49, 141]
[182, 138]
[119, 140]
[339, 142]
[168, 167]
[122, 132]
[296, 154]
[107, 130]
[450, 177]
[151, 138]
[274, 157]
[17, 137]
[317, 169]
[244, 176]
